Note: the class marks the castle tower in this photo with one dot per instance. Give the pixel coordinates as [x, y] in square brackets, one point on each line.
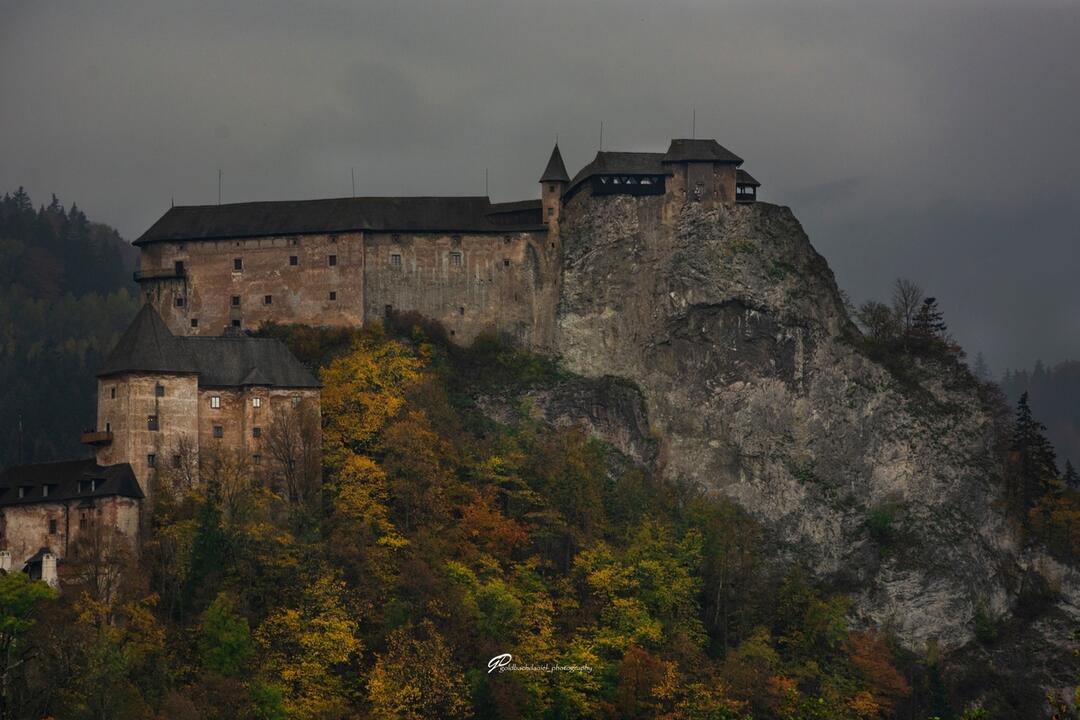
[552, 185]
[704, 171]
[147, 399]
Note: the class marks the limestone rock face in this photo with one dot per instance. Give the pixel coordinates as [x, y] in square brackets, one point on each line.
[733, 328]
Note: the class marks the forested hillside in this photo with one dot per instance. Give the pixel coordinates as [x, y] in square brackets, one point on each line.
[1054, 394]
[442, 540]
[65, 294]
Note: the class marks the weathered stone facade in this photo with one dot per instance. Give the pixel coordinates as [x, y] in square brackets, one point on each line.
[472, 265]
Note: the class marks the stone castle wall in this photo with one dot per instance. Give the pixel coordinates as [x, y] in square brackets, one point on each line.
[27, 528]
[470, 282]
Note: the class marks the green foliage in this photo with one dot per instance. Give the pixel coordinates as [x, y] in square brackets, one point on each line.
[879, 523]
[225, 639]
[986, 625]
[444, 539]
[65, 296]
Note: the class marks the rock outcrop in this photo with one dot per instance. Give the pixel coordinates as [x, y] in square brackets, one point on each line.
[734, 330]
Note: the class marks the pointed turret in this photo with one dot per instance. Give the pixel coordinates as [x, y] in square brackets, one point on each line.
[552, 185]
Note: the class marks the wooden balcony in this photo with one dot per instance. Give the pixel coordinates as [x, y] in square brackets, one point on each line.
[173, 273]
[96, 437]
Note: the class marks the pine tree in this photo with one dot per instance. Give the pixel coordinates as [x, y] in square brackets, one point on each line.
[981, 370]
[1071, 477]
[929, 322]
[1034, 460]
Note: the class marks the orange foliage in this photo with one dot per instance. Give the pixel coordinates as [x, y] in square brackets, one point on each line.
[871, 654]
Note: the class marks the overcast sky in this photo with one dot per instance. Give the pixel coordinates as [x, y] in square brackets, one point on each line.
[936, 141]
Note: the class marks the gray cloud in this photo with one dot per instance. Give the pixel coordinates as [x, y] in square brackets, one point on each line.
[936, 142]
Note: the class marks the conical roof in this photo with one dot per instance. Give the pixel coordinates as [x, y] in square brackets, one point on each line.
[556, 169]
[147, 346]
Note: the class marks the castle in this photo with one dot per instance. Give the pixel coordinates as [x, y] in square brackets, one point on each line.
[186, 385]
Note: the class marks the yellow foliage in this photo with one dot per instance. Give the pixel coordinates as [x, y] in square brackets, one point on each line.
[303, 646]
[361, 392]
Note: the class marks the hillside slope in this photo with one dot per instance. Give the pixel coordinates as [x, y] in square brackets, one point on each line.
[885, 480]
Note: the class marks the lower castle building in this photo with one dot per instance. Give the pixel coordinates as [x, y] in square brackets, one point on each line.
[187, 389]
[168, 407]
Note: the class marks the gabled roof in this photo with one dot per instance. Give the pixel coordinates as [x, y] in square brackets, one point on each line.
[744, 178]
[233, 361]
[687, 150]
[556, 169]
[294, 217]
[63, 480]
[620, 163]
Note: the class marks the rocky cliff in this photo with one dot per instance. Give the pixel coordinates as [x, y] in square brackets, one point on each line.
[755, 385]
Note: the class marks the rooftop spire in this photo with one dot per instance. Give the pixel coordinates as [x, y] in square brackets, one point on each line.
[556, 169]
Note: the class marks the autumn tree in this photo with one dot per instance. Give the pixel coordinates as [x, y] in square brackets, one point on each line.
[21, 600]
[906, 300]
[416, 678]
[307, 648]
[294, 445]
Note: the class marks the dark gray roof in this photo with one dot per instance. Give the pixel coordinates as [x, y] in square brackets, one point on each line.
[293, 217]
[556, 169]
[234, 361]
[63, 478]
[620, 163]
[685, 150]
[744, 178]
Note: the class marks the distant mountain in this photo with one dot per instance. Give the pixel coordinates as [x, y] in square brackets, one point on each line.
[66, 292]
[1054, 395]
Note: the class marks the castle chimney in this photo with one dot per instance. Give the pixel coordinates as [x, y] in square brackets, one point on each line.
[552, 186]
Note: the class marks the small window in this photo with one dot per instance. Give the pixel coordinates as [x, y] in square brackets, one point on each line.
[455, 258]
[22, 492]
[294, 260]
[151, 460]
[332, 259]
[52, 526]
[551, 211]
[395, 260]
[108, 427]
[179, 302]
[238, 264]
[194, 322]
[256, 459]
[112, 392]
[219, 431]
[256, 402]
[44, 491]
[333, 238]
[176, 461]
[388, 310]
[152, 422]
[333, 295]
[159, 390]
[236, 323]
[506, 262]
[256, 432]
[215, 401]
[268, 300]
[461, 310]
[236, 301]
[551, 188]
